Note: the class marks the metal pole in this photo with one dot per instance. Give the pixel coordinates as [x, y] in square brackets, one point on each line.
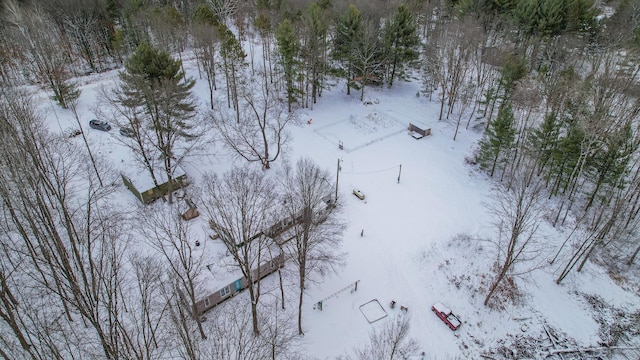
[399, 172]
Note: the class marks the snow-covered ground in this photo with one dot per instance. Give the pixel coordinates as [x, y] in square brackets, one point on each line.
[421, 235]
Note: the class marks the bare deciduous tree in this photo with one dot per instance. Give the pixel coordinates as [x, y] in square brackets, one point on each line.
[45, 57]
[368, 57]
[231, 333]
[316, 234]
[170, 236]
[87, 27]
[73, 106]
[147, 309]
[390, 342]
[15, 335]
[260, 135]
[180, 325]
[609, 223]
[518, 216]
[230, 326]
[447, 62]
[240, 208]
[278, 337]
[206, 44]
[224, 9]
[61, 221]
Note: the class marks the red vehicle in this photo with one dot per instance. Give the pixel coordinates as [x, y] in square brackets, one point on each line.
[445, 314]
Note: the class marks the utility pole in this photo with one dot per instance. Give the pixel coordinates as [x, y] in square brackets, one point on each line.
[337, 178]
[399, 173]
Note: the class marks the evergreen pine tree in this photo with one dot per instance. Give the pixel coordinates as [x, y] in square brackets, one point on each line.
[544, 139]
[504, 5]
[158, 92]
[288, 45]
[609, 163]
[233, 60]
[401, 42]
[566, 155]
[348, 33]
[554, 17]
[315, 50]
[514, 69]
[66, 93]
[498, 139]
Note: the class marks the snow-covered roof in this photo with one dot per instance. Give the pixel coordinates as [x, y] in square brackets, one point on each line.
[442, 308]
[134, 170]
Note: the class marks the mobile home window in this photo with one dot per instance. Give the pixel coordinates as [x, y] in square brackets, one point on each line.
[225, 291]
[207, 303]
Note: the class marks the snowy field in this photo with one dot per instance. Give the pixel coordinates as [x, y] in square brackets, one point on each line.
[421, 235]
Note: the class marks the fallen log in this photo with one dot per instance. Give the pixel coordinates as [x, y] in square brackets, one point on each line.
[593, 349]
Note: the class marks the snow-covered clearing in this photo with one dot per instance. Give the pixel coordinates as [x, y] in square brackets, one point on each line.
[419, 237]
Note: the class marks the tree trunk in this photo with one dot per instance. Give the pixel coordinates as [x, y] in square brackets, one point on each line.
[495, 161]
[497, 281]
[393, 69]
[254, 308]
[633, 257]
[349, 79]
[302, 276]
[574, 259]
[586, 256]
[493, 101]
[281, 287]
[473, 112]
[86, 143]
[9, 303]
[443, 86]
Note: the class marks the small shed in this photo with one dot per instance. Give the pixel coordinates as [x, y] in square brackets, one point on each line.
[135, 175]
[142, 186]
[138, 180]
[418, 133]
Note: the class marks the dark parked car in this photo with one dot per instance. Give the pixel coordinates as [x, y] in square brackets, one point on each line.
[99, 125]
[127, 132]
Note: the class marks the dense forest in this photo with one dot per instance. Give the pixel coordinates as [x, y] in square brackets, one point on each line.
[551, 84]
